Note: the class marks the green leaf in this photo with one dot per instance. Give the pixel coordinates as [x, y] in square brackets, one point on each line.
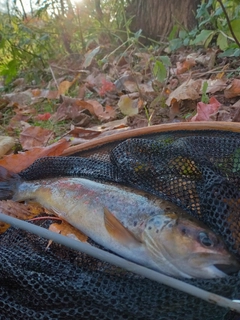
[175, 44]
[10, 71]
[236, 28]
[182, 34]
[222, 42]
[204, 38]
[205, 98]
[160, 71]
[231, 52]
[173, 33]
[137, 34]
[166, 60]
[89, 57]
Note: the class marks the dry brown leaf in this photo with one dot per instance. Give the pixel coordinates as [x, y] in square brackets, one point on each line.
[19, 98]
[215, 85]
[36, 92]
[233, 90]
[16, 122]
[18, 210]
[109, 113]
[174, 109]
[185, 66]
[83, 133]
[3, 102]
[25, 110]
[188, 90]
[20, 161]
[94, 80]
[94, 107]
[128, 82]
[116, 124]
[81, 91]
[34, 137]
[64, 86]
[71, 108]
[204, 110]
[45, 93]
[68, 230]
[52, 94]
[128, 106]
[6, 144]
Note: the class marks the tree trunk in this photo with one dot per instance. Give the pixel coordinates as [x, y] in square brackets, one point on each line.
[156, 18]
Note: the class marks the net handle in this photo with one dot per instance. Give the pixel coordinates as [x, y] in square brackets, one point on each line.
[120, 262]
[166, 127]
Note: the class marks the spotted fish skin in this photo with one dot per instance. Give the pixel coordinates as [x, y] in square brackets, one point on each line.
[140, 227]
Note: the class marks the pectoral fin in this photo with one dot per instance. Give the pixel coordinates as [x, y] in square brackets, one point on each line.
[117, 230]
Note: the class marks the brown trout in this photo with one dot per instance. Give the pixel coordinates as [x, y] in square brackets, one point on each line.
[137, 226]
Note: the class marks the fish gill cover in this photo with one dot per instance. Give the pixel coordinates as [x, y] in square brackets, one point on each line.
[199, 171]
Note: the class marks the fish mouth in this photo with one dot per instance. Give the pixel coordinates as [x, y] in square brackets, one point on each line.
[227, 268]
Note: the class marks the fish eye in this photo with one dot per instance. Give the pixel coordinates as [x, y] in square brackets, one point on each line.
[205, 240]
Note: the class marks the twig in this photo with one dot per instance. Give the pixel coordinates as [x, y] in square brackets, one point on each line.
[55, 80]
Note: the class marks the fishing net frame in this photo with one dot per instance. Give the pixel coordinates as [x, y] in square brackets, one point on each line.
[65, 284]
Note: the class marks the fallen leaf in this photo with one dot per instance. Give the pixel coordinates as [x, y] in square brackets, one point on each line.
[221, 115]
[205, 110]
[45, 93]
[71, 108]
[236, 116]
[83, 133]
[115, 124]
[215, 85]
[18, 210]
[233, 90]
[19, 98]
[6, 144]
[64, 86]
[20, 161]
[89, 57]
[106, 87]
[68, 230]
[110, 112]
[36, 92]
[94, 80]
[188, 90]
[34, 137]
[94, 107]
[185, 66]
[128, 82]
[43, 117]
[128, 106]
[16, 123]
[25, 110]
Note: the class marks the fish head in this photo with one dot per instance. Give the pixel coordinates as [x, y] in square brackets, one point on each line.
[187, 247]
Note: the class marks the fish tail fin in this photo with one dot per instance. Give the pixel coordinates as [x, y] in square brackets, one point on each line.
[8, 183]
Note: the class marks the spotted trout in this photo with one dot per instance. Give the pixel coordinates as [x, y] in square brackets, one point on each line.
[139, 227]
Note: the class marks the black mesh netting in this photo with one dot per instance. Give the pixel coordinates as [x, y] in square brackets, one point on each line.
[199, 171]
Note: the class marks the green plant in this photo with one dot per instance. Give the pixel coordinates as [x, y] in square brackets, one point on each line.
[218, 22]
[160, 67]
[56, 28]
[205, 98]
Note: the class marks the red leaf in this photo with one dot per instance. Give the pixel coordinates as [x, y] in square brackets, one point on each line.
[205, 110]
[43, 117]
[20, 161]
[106, 86]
